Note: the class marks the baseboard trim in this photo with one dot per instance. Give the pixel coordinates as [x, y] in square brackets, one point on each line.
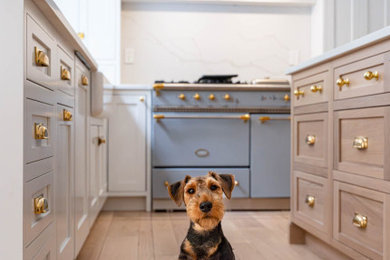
[125, 204]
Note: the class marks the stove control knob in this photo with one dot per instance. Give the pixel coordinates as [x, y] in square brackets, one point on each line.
[286, 98]
[196, 96]
[211, 97]
[226, 97]
[182, 96]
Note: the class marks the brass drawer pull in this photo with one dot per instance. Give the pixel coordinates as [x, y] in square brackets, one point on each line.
[65, 74]
[310, 201]
[142, 98]
[310, 139]
[84, 80]
[236, 183]
[298, 93]
[360, 221]
[166, 184]
[316, 88]
[341, 82]
[101, 141]
[360, 143]
[40, 205]
[41, 59]
[66, 115]
[264, 119]
[201, 153]
[369, 75]
[40, 131]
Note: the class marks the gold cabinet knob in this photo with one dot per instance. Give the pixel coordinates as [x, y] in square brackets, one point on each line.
[245, 117]
[226, 97]
[81, 35]
[211, 96]
[310, 201]
[142, 98]
[84, 80]
[341, 82]
[65, 73]
[360, 143]
[236, 183]
[66, 115]
[298, 93]
[196, 96]
[41, 59]
[101, 141]
[166, 184]
[182, 96]
[40, 131]
[40, 205]
[310, 139]
[359, 221]
[316, 88]
[369, 75]
[286, 98]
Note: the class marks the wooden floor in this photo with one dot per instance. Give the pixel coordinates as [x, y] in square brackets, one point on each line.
[144, 236]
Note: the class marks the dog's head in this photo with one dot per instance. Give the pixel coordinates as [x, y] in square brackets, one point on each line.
[203, 197]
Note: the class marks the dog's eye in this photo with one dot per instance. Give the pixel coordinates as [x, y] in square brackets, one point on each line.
[191, 191]
[213, 187]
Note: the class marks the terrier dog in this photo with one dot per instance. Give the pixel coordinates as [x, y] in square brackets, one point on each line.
[203, 199]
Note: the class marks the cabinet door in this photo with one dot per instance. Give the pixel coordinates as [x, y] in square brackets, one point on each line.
[127, 147]
[81, 158]
[102, 163]
[63, 189]
[93, 174]
[270, 156]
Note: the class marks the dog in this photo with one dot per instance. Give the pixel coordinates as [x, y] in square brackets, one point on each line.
[202, 197]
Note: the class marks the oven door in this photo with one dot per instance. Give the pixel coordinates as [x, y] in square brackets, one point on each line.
[200, 139]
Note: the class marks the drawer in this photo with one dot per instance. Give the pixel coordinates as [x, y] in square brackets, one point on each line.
[40, 55]
[311, 139]
[43, 247]
[65, 68]
[37, 206]
[311, 90]
[310, 200]
[358, 218]
[361, 136]
[161, 176]
[39, 130]
[361, 78]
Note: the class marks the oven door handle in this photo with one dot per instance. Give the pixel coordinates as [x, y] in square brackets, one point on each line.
[244, 117]
[264, 119]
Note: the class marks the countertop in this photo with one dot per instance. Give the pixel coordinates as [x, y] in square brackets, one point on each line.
[364, 41]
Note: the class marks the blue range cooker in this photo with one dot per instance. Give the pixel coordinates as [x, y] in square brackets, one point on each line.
[242, 129]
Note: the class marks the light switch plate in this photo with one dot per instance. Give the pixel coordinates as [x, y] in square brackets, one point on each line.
[129, 55]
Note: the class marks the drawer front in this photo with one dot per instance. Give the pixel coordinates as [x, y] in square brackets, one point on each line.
[39, 130]
[311, 90]
[40, 55]
[43, 247]
[361, 78]
[186, 139]
[161, 176]
[358, 218]
[310, 139]
[65, 68]
[361, 136]
[37, 206]
[310, 200]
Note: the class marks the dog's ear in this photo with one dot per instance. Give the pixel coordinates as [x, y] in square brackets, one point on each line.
[176, 190]
[226, 181]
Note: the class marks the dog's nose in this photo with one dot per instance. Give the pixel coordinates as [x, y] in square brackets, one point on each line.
[205, 206]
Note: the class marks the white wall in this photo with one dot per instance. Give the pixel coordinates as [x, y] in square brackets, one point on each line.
[184, 41]
[11, 149]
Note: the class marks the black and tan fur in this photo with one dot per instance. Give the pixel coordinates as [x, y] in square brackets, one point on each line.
[203, 199]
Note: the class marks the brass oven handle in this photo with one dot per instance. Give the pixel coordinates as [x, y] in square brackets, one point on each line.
[316, 88]
[244, 117]
[310, 201]
[264, 119]
[166, 184]
[157, 87]
[65, 73]
[360, 143]
[41, 59]
[360, 221]
[101, 141]
[40, 132]
[369, 75]
[84, 80]
[341, 82]
[66, 115]
[310, 139]
[40, 205]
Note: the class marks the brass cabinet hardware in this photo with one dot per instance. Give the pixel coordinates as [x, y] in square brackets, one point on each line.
[360, 143]
[101, 141]
[142, 98]
[182, 96]
[264, 119]
[286, 98]
[40, 131]
[310, 201]
[369, 75]
[41, 59]
[65, 73]
[84, 80]
[201, 153]
[359, 221]
[157, 87]
[341, 82]
[316, 88]
[196, 96]
[166, 184]
[226, 97]
[245, 117]
[236, 183]
[40, 205]
[298, 93]
[310, 139]
[81, 35]
[211, 96]
[158, 117]
[66, 115]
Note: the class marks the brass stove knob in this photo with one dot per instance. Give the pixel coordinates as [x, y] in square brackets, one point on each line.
[182, 96]
[226, 97]
[196, 96]
[211, 96]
